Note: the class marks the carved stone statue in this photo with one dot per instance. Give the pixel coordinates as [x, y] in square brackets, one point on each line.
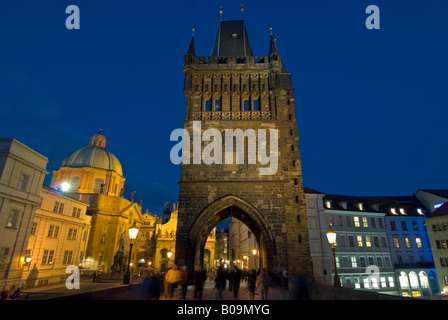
[132, 196]
[120, 256]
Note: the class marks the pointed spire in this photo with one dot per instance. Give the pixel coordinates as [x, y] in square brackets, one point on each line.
[191, 50]
[273, 45]
[242, 11]
[220, 13]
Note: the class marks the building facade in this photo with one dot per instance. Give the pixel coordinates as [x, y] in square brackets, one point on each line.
[437, 225]
[58, 238]
[228, 93]
[22, 173]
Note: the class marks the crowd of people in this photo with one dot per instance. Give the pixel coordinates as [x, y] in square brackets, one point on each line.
[179, 279]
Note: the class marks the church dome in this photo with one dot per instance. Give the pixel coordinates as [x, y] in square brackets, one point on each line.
[95, 155]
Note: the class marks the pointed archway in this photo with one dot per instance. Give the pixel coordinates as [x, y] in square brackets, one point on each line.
[225, 207]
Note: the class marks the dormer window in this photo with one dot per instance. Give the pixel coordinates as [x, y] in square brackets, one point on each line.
[420, 211]
[328, 204]
[393, 211]
[361, 206]
[343, 204]
[402, 211]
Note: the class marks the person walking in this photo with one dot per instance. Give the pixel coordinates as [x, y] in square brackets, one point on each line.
[263, 282]
[172, 278]
[220, 281]
[235, 280]
[199, 277]
[184, 281]
[251, 281]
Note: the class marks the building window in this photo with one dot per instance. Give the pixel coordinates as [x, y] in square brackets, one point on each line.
[72, 234]
[13, 218]
[396, 243]
[384, 241]
[58, 207]
[97, 185]
[372, 222]
[256, 104]
[376, 242]
[364, 222]
[407, 242]
[23, 182]
[371, 261]
[76, 212]
[348, 220]
[414, 226]
[391, 282]
[404, 227]
[359, 239]
[217, 105]
[208, 105]
[362, 262]
[379, 261]
[356, 219]
[74, 184]
[246, 105]
[380, 223]
[33, 229]
[418, 242]
[351, 241]
[47, 257]
[383, 282]
[67, 257]
[368, 242]
[354, 264]
[393, 226]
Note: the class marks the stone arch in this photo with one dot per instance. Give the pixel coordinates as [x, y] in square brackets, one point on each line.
[232, 206]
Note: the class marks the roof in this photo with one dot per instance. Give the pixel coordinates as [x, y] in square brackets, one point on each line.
[438, 192]
[442, 211]
[232, 40]
[403, 205]
[95, 156]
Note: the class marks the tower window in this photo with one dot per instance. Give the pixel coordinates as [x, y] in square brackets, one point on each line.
[217, 105]
[74, 185]
[208, 105]
[246, 105]
[257, 105]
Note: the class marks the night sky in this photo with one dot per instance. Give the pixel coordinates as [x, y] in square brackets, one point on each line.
[371, 105]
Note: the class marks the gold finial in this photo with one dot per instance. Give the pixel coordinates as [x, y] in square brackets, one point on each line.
[220, 13]
[194, 28]
[242, 10]
[270, 29]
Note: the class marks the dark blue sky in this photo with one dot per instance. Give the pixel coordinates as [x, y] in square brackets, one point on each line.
[371, 104]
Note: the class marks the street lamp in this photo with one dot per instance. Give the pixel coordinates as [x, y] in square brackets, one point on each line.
[133, 231]
[331, 236]
[28, 260]
[254, 252]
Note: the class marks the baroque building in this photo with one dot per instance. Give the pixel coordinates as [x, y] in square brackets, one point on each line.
[92, 174]
[238, 97]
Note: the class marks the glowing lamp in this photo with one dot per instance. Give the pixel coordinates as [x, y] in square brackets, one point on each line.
[254, 251]
[169, 254]
[331, 236]
[65, 186]
[133, 231]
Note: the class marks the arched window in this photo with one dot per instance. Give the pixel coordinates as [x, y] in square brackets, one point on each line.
[423, 280]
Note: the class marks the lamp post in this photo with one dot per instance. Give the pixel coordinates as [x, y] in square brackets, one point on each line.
[331, 236]
[133, 231]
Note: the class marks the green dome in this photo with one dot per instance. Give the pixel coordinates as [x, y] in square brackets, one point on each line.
[94, 156]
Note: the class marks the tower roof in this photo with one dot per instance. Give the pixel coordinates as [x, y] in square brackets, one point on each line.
[95, 155]
[232, 40]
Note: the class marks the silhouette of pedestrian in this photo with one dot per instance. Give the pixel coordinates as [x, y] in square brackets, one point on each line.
[251, 280]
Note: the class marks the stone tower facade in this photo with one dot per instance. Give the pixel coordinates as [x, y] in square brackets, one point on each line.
[230, 92]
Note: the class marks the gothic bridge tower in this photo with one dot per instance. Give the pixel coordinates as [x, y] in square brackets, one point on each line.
[233, 89]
